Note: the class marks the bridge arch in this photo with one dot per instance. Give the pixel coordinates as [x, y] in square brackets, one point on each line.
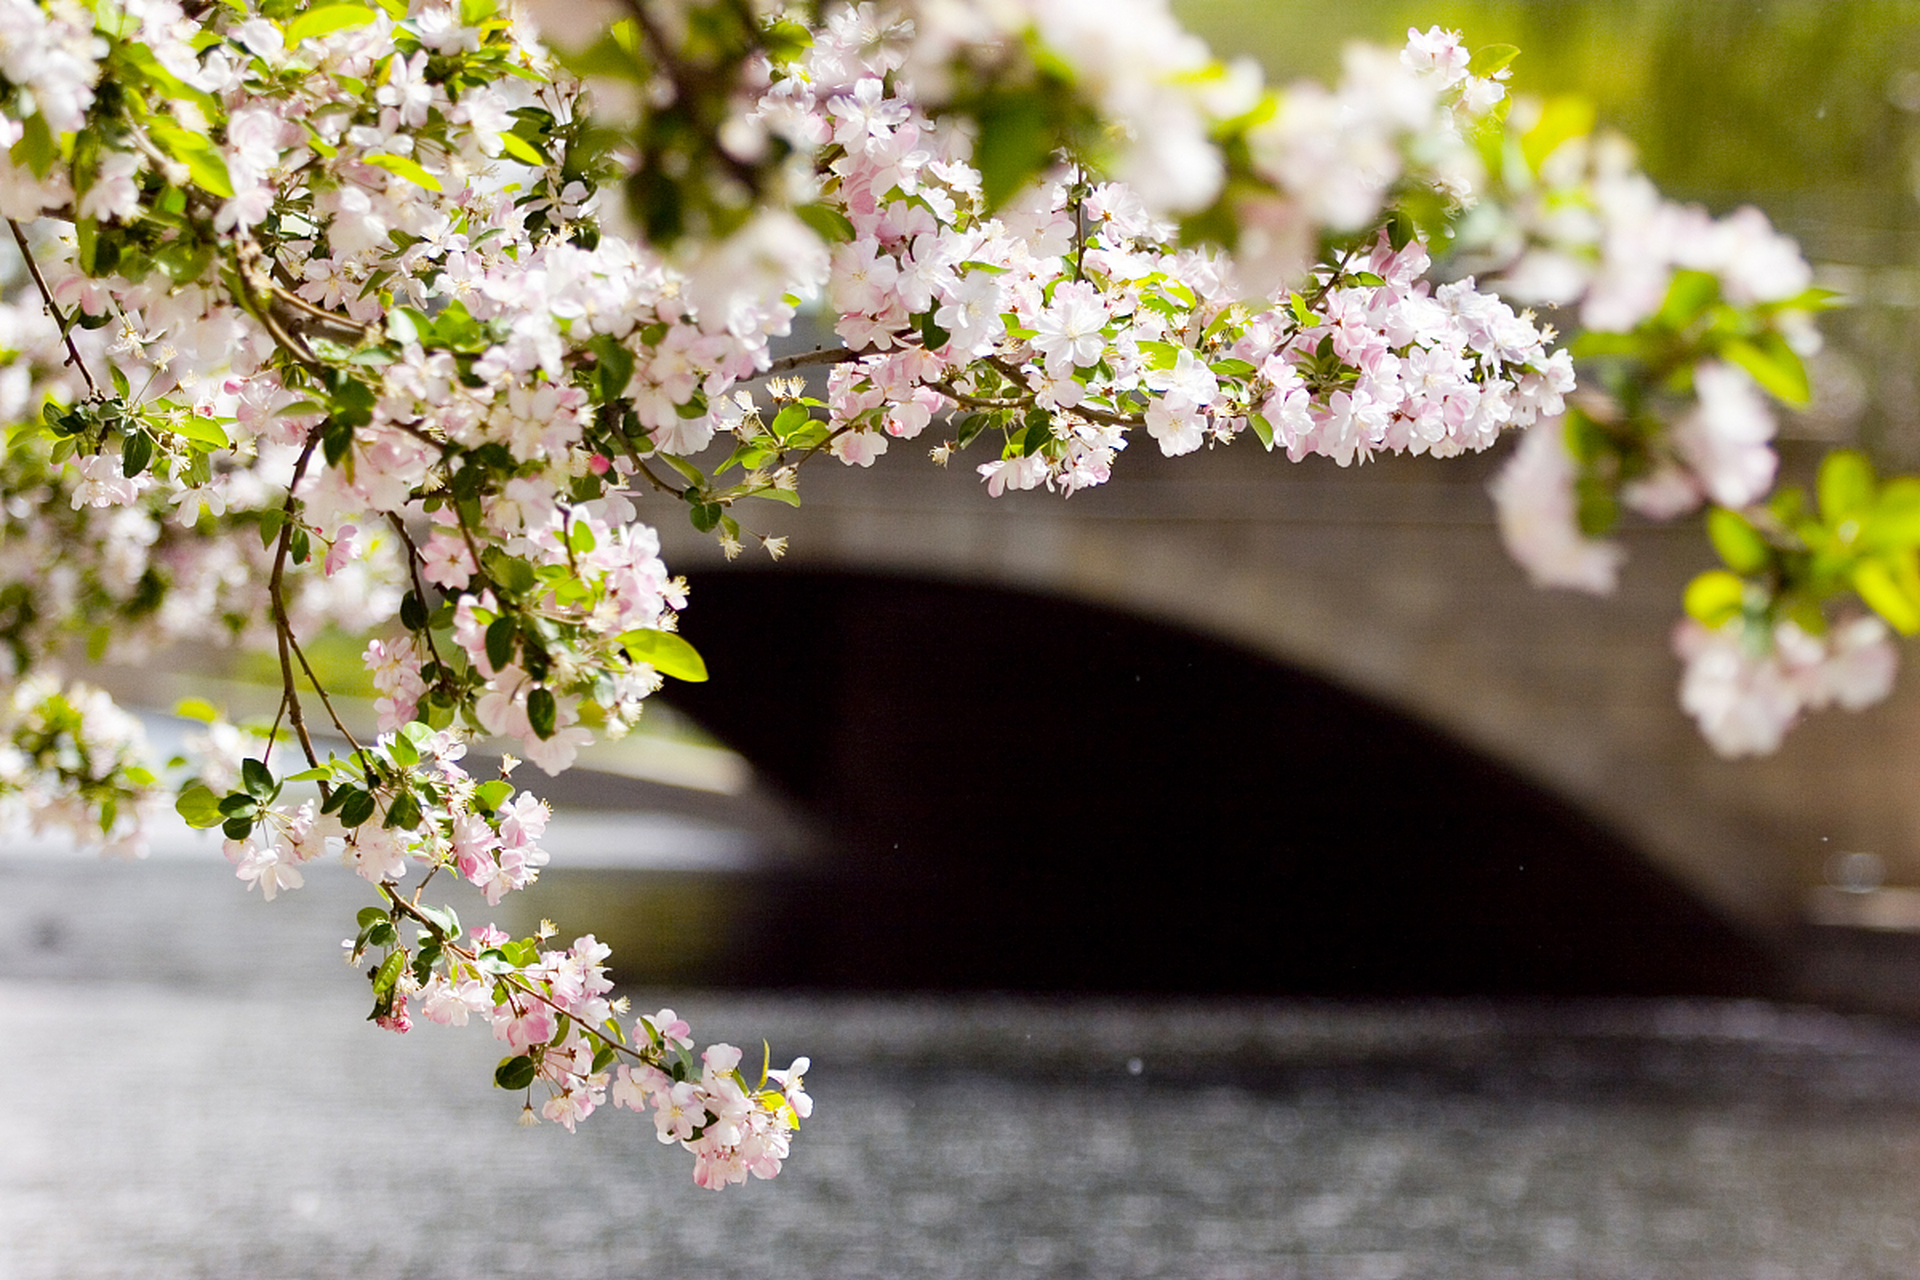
[1390, 581]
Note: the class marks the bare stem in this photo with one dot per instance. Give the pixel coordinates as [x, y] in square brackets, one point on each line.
[807, 359]
[413, 571]
[282, 626]
[320, 689]
[46, 295]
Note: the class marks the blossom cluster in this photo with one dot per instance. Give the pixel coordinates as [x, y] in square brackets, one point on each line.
[432, 814]
[732, 1129]
[73, 761]
[1726, 303]
[551, 1009]
[1746, 695]
[339, 317]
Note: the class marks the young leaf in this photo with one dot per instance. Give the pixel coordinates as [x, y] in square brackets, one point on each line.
[1845, 485]
[1715, 597]
[522, 150]
[196, 709]
[326, 20]
[405, 168]
[198, 806]
[1885, 594]
[1774, 365]
[666, 653]
[1737, 541]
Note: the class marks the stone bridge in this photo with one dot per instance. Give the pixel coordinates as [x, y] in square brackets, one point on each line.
[1388, 581]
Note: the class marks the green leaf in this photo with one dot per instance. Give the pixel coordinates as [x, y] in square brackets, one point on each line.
[1773, 365]
[37, 149]
[403, 814]
[198, 806]
[827, 222]
[932, 336]
[202, 158]
[514, 1073]
[444, 919]
[196, 709]
[237, 828]
[1738, 542]
[666, 653]
[1895, 519]
[789, 420]
[1561, 119]
[489, 796]
[404, 753]
[1690, 294]
[1160, 355]
[356, 808]
[1491, 59]
[237, 804]
[1016, 143]
[502, 633]
[1596, 343]
[326, 20]
[136, 451]
[405, 168]
[522, 150]
[1881, 585]
[1715, 597]
[388, 973]
[371, 916]
[1845, 486]
[205, 433]
[1261, 428]
[541, 712]
[257, 778]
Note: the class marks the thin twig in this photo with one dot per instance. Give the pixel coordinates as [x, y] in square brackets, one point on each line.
[320, 689]
[413, 570]
[46, 295]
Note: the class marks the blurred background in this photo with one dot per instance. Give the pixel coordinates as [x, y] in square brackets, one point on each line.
[1235, 871]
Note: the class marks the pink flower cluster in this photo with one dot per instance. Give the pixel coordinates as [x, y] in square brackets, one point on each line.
[1745, 695]
[732, 1130]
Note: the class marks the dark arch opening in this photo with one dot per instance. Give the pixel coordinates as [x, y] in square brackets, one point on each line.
[1027, 793]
